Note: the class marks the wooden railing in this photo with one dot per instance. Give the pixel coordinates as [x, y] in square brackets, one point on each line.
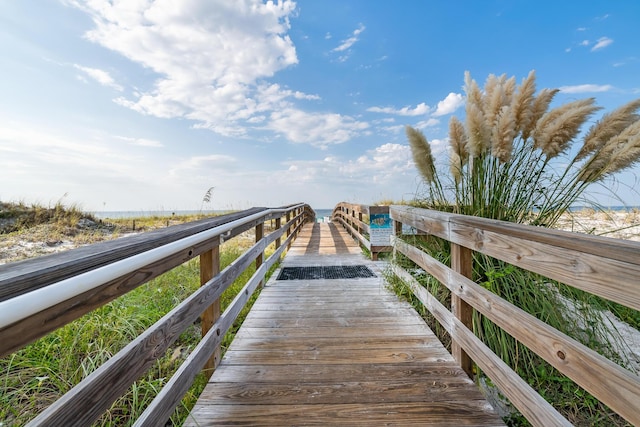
[608, 268]
[40, 295]
[356, 219]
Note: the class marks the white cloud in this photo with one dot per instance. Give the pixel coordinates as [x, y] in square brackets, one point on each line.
[346, 44]
[142, 142]
[431, 122]
[584, 43]
[385, 164]
[318, 129]
[211, 57]
[101, 76]
[586, 88]
[451, 103]
[203, 164]
[581, 29]
[420, 109]
[602, 43]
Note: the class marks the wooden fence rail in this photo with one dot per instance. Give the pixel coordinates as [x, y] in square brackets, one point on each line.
[609, 268]
[92, 276]
[356, 219]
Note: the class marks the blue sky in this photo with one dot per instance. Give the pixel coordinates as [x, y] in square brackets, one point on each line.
[144, 105]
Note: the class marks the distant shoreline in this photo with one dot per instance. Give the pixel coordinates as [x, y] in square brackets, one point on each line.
[163, 213]
[319, 212]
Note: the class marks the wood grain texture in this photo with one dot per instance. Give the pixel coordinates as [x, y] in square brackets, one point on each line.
[462, 262]
[603, 266]
[209, 268]
[25, 276]
[92, 396]
[337, 352]
[537, 410]
[607, 381]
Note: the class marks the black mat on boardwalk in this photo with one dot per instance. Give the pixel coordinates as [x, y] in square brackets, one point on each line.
[326, 272]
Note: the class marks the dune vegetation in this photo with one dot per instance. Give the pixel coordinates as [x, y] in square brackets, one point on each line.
[39, 374]
[514, 158]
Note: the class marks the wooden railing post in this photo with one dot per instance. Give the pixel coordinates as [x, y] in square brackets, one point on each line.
[260, 257]
[288, 229]
[278, 225]
[209, 268]
[462, 262]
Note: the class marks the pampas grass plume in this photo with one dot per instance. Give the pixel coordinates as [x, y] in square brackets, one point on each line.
[523, 101]
[421, 151]
[557, 128]
[503, 134]
[609, 126]
[458, 139]
[619, 153]
[539, 107]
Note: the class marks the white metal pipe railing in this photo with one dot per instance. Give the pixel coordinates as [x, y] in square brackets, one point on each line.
[26, 305]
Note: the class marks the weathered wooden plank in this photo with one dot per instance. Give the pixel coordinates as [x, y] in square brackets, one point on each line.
[327, 393]
[303, 304]
[209, 268]
[87, 400]
[329, 323]
[462, 262]
[165, 402]
[537, 410]
[613, 385]
[305, 343]
[352, 331]
[324, 359]
[471, 413]
[319, 313]
[409, 372]
[600, 265]
[28, 275]
[258, 357]
[22, 332]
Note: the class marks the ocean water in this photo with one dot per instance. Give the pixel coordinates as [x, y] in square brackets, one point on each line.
[320, 213]
[143, 214]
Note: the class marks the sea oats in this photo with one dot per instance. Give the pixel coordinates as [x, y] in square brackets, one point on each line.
[458, 139]
[523, 101]
[610, 125]
[539, 107]
[421, 151]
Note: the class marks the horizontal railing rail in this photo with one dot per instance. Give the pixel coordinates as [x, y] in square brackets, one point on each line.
[605, 267]
[356, 219]
[47, 298]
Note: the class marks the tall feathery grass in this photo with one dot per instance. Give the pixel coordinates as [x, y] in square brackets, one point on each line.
[512, 159]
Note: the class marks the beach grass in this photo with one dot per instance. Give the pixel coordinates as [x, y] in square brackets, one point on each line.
[37, 375]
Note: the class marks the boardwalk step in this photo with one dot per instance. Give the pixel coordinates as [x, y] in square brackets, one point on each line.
[326, 272]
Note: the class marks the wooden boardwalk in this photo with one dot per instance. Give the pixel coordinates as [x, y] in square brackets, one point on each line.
[337, 352]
